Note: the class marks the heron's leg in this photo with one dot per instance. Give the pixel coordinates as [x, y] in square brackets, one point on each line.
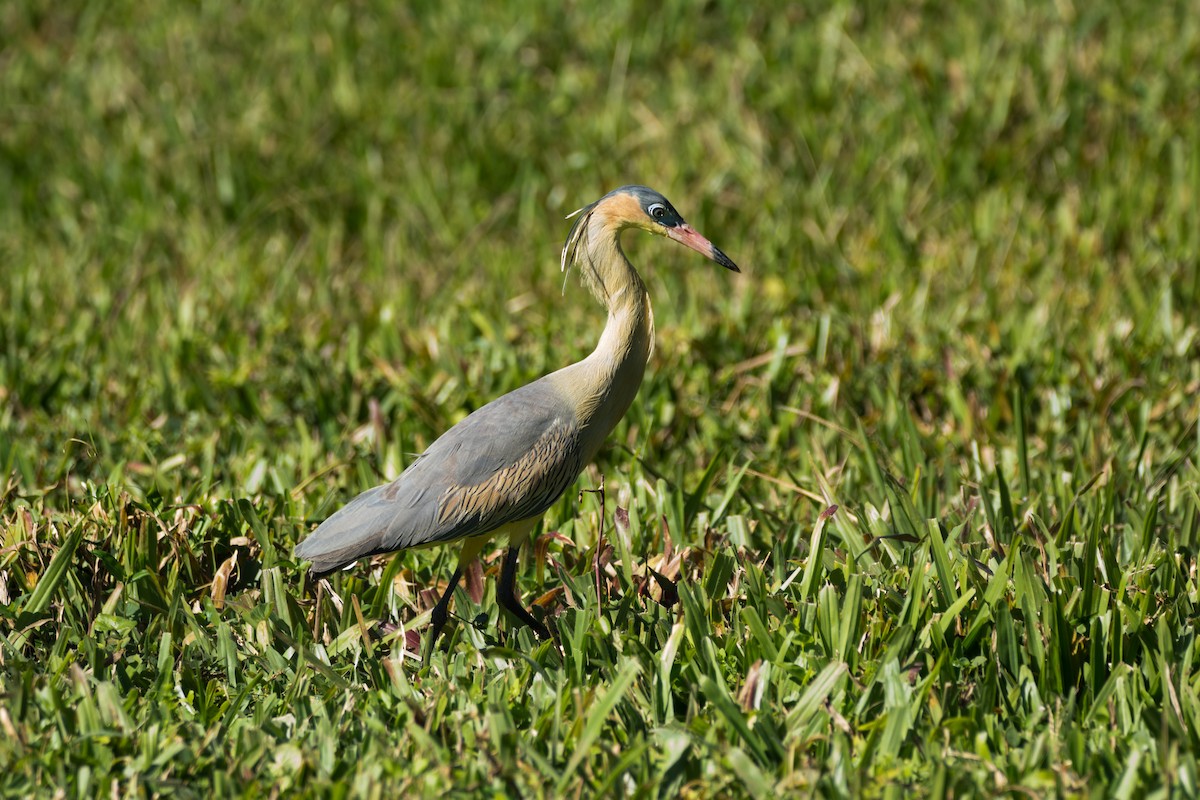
[506, 594]
[442, 610]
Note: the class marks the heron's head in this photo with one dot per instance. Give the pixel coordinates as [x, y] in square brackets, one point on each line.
[643, 208]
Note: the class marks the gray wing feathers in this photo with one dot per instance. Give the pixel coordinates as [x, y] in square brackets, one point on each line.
[509, 460]
[358, 529]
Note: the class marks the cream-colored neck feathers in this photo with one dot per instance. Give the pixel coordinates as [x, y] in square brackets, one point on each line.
[603, 385]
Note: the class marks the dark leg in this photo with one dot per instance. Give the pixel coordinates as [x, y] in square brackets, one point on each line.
[442, 610]
[506, 594]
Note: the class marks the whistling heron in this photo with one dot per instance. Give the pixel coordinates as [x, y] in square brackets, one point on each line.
[499, 469]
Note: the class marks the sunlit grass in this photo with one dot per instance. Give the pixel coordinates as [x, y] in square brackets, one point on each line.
[253, 259]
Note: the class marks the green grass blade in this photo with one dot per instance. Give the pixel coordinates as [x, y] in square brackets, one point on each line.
[598, 717]
[55, 575]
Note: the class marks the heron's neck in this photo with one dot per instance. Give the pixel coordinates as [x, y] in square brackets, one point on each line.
[605, 383]
[624, 348]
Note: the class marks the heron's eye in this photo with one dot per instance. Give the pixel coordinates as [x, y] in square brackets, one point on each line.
[657, 210]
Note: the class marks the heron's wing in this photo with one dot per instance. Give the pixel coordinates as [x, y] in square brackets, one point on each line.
[508, 461]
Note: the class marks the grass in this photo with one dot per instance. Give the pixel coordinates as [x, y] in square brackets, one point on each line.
[256, 258]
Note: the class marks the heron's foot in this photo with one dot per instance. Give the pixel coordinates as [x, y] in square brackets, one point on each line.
[506, 595]
[539, 628]
[511, 605]
[441, 612]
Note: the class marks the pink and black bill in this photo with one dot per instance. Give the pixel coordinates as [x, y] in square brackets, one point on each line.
[659, 209]
[685, 234]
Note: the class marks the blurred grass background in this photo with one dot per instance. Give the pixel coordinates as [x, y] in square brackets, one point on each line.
[253, 257]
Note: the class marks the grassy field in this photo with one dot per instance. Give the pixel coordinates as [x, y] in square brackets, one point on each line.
[254, 257]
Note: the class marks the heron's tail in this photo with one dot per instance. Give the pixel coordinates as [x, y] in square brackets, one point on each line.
[355, 531]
